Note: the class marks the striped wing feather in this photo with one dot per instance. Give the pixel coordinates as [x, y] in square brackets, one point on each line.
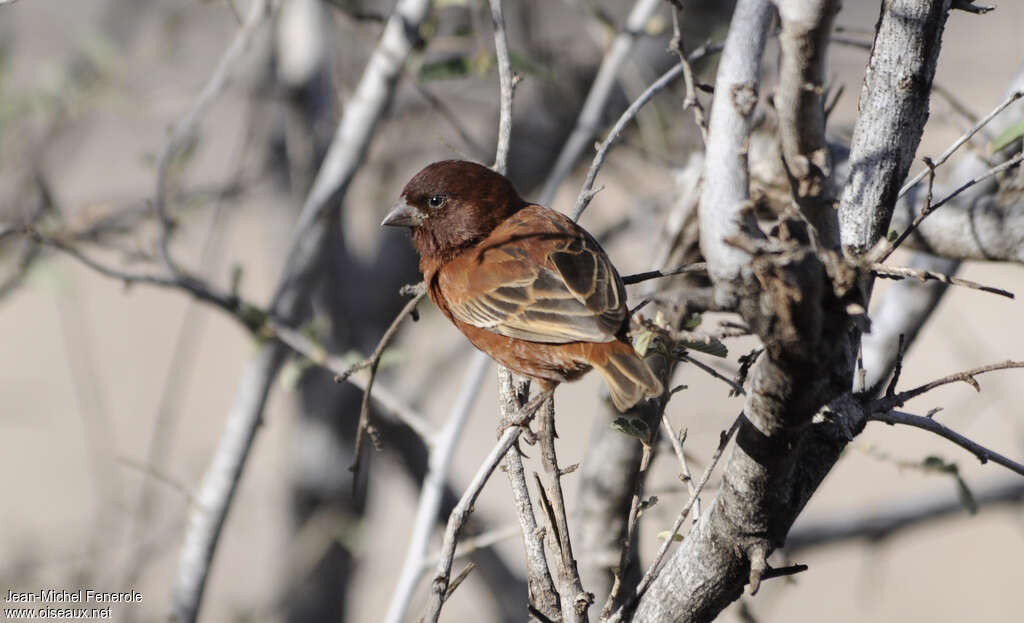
[537, 277]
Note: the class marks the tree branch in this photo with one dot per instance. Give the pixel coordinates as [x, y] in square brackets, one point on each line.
[893, 110]
[803, 47]
[588, 123]
[441, 455]
[930, 424]
[343, 158]
[726, 188]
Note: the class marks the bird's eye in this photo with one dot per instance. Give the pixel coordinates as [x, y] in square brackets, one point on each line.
[436, 201]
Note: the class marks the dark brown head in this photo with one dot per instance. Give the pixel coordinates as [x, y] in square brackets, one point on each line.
[451, 205]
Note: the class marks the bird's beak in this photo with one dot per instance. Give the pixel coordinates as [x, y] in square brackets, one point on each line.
[403, 215]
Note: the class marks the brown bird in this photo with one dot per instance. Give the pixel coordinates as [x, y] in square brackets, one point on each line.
[526, 285]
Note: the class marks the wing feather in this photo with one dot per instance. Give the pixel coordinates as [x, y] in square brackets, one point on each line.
[554, 285]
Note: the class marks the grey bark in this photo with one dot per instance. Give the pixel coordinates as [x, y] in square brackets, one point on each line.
[781, 455]
[893, 110]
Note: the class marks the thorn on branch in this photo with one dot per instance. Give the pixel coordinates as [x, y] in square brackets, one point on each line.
[758, 555]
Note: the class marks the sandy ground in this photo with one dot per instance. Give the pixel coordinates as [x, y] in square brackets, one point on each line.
[85, 362]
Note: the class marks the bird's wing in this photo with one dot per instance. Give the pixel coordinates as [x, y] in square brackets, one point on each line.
[537, 277]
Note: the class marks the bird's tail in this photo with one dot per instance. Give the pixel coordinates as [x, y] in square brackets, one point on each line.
[627, 376]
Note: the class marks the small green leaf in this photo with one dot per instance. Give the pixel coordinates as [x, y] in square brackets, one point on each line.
[634, 427]
[1008, 136]
[524, 64]
[692, 322]
[665, 534]
[446, 69]
[938, 464]
[643, 342]
[710, 346]
[892, 235]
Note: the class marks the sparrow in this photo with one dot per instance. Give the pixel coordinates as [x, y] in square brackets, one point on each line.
[524, 283]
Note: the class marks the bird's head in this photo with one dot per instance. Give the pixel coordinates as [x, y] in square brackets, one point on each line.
[451, 205]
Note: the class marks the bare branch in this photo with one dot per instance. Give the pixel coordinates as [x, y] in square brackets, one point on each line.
[586, 192]
[383, 398]
[885, 248]
[441, 455]
[679, 47]
[543, 594]
[655, 568]
[903, 310]
[462, 510]
[506, 86]
[898, 272]
[1013, 97]
[184, 132]
[343, 158]
[886, 403]
[930, 424]
[574, 600]
[587, 125]
[364, 408]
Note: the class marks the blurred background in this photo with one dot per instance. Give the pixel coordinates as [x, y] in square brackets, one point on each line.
[112, 398]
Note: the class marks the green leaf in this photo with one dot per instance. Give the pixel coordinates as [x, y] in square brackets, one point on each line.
[643, 342]
[446, 69]
[665, 534]
[710, 346]
[524, 64]
[1008, 136]
[692, 322]
[634, 427]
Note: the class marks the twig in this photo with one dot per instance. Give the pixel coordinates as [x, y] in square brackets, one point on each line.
[344, 156]
[440, 460]
[364, 408]
[600, 90]
[1013, 97]
[445, 111]
[467, 547]
[383, 398]
[652, 571]
[574, 600]
[677, 447]
[884, 248]
[462, 510]
[898, 272]
[691, 101]
[697, 267]
[506, 87]
[586, 192]
[889, 402]
[703, 366]
[184, 132]
[542, 592]
[631, 526]
[932, 425]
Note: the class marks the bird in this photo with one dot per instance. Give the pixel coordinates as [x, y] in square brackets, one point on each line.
[524, 283]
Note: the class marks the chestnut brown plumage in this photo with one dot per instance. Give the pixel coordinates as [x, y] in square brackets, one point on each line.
[526, 285]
